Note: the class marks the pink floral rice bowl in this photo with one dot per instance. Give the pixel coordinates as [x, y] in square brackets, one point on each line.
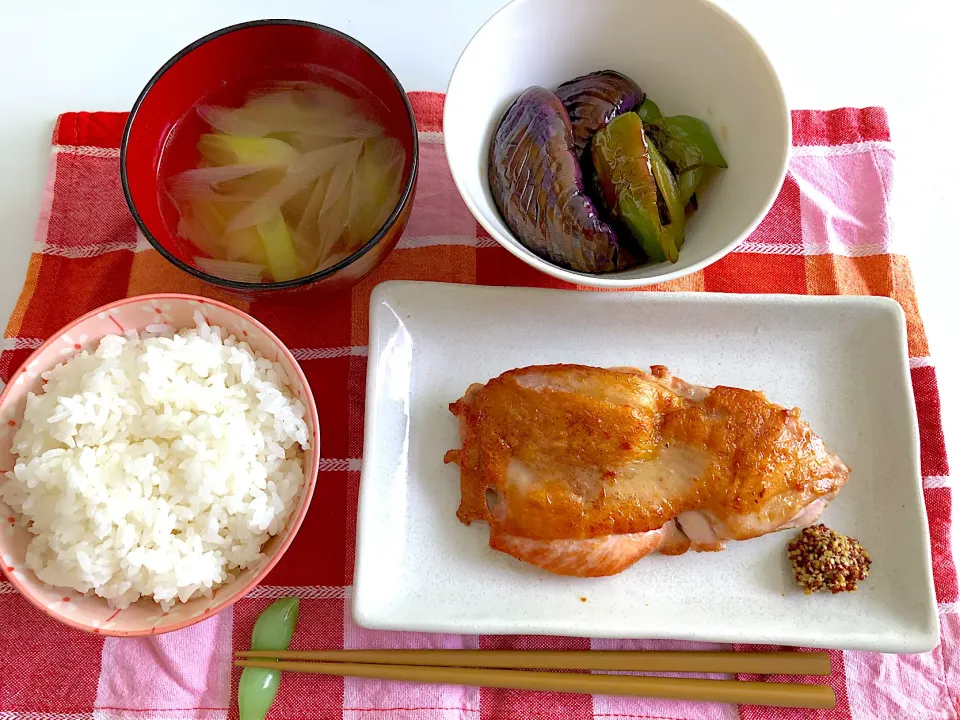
[144, 617]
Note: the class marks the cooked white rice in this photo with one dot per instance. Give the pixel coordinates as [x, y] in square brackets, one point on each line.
[157, 466]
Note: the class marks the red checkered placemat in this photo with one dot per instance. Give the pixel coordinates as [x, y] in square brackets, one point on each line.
[828, 233]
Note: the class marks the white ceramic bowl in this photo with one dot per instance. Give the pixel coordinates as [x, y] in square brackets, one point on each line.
[687, 55]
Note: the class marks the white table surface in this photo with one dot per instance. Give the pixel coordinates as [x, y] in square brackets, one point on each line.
[98, 54]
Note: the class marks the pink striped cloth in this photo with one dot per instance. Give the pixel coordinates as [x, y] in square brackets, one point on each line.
[828, 233]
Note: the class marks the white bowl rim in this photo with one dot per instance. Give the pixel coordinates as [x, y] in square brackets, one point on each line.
[612, 280]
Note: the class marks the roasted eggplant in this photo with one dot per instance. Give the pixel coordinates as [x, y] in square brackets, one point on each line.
[538, 188]
[594, 100]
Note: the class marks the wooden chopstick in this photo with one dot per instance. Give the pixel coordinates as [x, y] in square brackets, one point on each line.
[729, 691]
[759, 663]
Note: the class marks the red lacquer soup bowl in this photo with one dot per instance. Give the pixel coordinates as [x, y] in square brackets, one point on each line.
[162, 131]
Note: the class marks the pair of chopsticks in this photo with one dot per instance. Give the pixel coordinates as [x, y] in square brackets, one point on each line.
[522, 670]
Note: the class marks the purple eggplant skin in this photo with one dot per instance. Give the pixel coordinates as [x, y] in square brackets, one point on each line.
[537, 186]
[594, 100]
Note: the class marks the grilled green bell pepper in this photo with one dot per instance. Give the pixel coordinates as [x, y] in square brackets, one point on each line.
[688, 181]
[667, 185]
[628, 182]
[685, 142]
[648, 111]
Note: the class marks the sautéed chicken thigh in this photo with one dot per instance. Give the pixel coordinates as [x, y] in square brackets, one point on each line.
[583, 471]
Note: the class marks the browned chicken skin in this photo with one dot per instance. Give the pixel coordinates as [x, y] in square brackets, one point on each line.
[583, 471]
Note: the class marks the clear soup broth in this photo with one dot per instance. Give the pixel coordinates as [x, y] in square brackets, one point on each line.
[285, 177]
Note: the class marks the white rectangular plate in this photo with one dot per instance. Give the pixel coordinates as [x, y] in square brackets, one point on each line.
[842, 360]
